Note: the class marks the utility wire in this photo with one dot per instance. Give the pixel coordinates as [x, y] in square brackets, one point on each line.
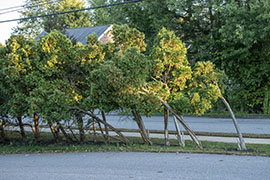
[25, 6]
[73, 11]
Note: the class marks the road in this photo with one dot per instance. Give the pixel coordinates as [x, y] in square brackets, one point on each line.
[203, 124]
[123, 166]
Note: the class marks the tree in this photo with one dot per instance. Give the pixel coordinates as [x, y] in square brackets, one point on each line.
[108, 15]
[171, 70]
[205, 88]
[18, 60]
[115, 82]
[33, 27]
[247, 65]
[53, 94]
[227, 33]
[146, 16]
[4, 96]
[87, 58]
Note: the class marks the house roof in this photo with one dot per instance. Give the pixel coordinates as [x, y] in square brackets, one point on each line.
[81, 34]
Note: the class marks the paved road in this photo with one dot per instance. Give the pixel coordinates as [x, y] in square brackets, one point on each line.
[256, 126]
[124, 166]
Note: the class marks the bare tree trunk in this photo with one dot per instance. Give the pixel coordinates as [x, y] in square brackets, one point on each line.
[166, 121]
[68, 138]
[54, 132]
[180, 119]
[106, 127]
[81, 127]
[94, 129]
[21, 128]
[124, 139]
[74, 136]
[104, 135]
[141, 126]
[242, 144]
[179, 133]
[36, 123]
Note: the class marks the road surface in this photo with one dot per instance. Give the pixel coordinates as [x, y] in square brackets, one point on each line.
[124, 166]
[202, 124]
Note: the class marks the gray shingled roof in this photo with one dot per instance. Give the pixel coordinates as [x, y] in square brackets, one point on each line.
[81, 34]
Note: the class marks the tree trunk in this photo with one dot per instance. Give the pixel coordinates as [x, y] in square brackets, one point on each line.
[180, 119]
[124, 139]
[242, 145]
[106, 127]
[166, 121]
[94, 129]
[141, 126]
[74, 136]
[2, 132]
[179, 133]
[54, 133]
[36, 123]
[21, 128]
[81, 127]
[104, 135]
[68, 138]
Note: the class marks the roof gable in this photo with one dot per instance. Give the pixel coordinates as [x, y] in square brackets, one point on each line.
[81, 34]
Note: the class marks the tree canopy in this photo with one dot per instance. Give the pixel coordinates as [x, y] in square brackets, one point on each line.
[33, 27]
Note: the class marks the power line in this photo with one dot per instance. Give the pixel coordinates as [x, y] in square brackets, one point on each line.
[73, 11]
[25, 6]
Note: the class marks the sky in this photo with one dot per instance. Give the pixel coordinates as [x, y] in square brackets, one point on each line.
[5, 28]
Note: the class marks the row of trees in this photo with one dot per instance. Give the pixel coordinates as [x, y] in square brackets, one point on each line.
[63, 82]
[232, 34]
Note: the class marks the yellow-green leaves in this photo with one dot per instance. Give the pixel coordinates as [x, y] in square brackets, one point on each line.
[170, 67]
[55, 51]
[203, 88]
[125, 37]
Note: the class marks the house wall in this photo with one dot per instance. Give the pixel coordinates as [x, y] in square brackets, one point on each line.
[108, 37]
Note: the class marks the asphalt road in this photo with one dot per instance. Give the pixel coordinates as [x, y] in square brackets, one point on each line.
[255, 126]
[123, 166]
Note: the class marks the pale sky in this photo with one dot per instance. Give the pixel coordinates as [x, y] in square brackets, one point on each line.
[5, 28]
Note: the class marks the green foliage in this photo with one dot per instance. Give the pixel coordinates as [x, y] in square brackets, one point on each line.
[51, 76]
[245, 51]
[125, 37]
[147, 16]
[109, 15]
[69, 20]
[171, 69]
[117, 82]
[55, 92]
[203, 88]
[55, 54]
[18, 61]
[51, 99]
[33, 27]
[232, 34]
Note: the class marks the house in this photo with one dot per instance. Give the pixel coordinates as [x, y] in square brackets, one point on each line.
[80, 34]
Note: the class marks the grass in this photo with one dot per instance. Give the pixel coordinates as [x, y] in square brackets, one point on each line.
[47, 145]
